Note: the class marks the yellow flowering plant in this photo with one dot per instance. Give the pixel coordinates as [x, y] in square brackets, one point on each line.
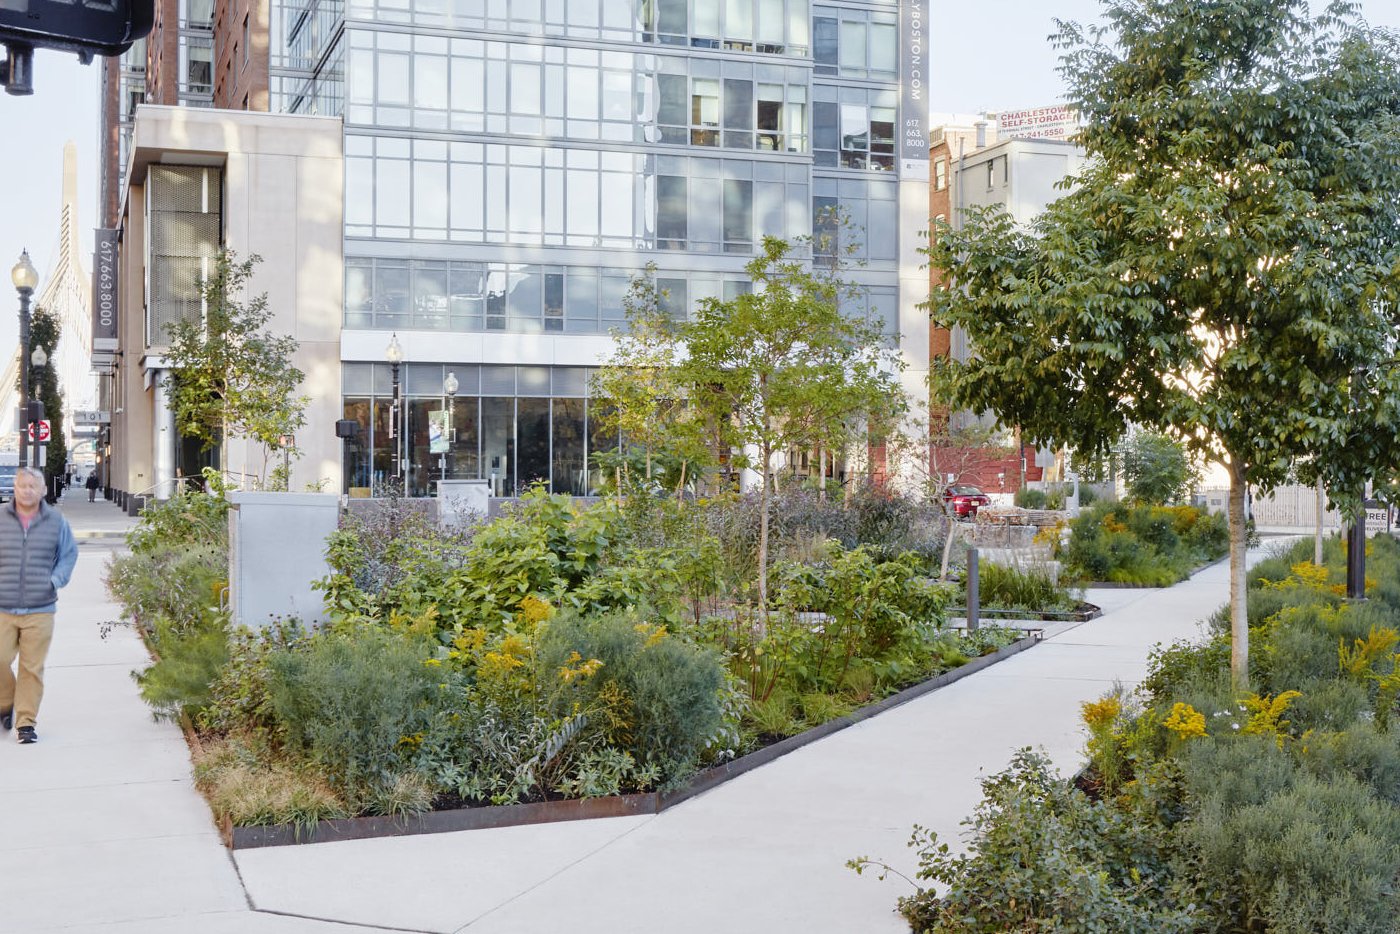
[1186, 722]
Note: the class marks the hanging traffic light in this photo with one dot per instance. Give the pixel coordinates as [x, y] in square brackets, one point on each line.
[85, 27]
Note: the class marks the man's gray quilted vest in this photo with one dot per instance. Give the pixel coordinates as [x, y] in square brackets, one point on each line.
[26, 558]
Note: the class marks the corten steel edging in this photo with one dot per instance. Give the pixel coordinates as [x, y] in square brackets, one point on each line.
[481, 818]
[1042, 616]
[546, 812]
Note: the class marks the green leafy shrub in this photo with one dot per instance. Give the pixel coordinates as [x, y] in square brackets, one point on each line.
[1214, 810]
[1157, 469]
[1150, 545]
[346, 699]
[181, 585]
[177, 683]
[665, 690]
[1042, 857]
[1030, 498]
[172, 586]
[1280, 850]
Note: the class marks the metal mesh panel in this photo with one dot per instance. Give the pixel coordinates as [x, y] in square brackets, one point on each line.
[174, 293]
[184, 238]
[182, 188]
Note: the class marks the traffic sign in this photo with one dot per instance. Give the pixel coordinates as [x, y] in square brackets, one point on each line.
[39, 432]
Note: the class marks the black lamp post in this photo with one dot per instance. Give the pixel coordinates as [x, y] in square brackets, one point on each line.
[450, 386]
[394, 354]
[26, 279]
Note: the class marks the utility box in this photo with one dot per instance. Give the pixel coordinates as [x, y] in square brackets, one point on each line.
[463, 501]
[277, 550]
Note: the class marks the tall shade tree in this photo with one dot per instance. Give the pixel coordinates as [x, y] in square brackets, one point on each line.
[1224, 269]
[234, 378]
[783, 367]
[639, 393]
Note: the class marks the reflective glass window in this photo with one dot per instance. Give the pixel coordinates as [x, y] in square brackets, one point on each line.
[704, 112]
[567, 474]
[532, 439]
[498, 444]
[738, 215]
[671, 211]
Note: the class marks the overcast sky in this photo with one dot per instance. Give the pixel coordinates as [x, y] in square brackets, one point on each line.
[985, 55]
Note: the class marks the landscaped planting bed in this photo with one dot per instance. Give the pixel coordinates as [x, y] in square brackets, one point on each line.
[558, 662]
[1207, 807]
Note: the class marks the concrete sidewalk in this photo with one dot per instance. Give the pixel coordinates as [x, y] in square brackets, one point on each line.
[103, 830]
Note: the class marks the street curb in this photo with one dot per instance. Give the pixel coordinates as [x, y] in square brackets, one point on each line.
[546, 812]
[1043, 616]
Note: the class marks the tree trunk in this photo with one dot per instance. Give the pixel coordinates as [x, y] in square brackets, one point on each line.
[680, 487]
[947, 548]
[1317, 535]
[1239, 581]
[763, 503]
[821, 474]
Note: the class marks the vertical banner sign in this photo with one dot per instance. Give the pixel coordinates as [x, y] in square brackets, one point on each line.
[437, 432]
[104, 291]
[913, 77]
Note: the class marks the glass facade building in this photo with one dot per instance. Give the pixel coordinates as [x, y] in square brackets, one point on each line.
[510, 166]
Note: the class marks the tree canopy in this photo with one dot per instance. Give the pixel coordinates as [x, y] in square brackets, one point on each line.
[232, 376]
[1225, 267]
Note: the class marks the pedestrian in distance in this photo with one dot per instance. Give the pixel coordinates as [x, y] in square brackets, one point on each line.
[37, 554]
[92, 487]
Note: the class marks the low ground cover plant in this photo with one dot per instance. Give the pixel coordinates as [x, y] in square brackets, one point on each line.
[1142, 544]
[562, 650]
[1203, 808]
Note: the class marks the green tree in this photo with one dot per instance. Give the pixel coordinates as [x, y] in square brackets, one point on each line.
[640, 394]
[233, 378]
[1224, 270]
[44, 332]
[1157, 469]
[783, 367]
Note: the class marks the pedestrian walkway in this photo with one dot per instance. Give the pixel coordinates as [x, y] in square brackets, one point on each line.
[104, 832]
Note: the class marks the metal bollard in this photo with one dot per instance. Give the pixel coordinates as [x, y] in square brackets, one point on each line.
[974, 610]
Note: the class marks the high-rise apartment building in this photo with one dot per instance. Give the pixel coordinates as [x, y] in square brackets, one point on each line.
[510, 167]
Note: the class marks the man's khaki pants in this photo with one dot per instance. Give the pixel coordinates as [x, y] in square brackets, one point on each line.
[28, 635]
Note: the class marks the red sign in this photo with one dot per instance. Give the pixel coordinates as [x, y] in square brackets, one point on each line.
[39, 431]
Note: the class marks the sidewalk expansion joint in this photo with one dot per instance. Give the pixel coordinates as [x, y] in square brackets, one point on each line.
[354, 925]
[563, 869]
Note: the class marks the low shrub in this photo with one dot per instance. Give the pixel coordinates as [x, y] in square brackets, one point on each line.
[661, 693]
[1030, 498]
[177, 684]
[1042, 856]
[1032, 588]
[1137, 544]
[346, 699]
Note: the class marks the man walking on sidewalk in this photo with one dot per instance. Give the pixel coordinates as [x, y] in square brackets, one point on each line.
[92, 486]
[37, 554]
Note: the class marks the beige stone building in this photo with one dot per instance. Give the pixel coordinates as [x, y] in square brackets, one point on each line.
[198, 181]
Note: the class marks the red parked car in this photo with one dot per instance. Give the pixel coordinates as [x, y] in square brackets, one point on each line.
[965, 500]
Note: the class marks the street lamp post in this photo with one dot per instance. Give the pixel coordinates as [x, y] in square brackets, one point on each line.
[26, 279]
[450, 386]
[39, 359]
[394, 354]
